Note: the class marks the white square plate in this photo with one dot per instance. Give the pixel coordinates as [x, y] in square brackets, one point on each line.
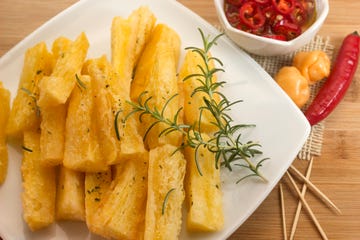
[280, 128]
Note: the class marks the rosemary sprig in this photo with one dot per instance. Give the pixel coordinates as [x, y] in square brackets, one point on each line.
[226, 143]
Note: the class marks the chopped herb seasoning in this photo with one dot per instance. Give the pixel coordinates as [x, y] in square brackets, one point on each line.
[26, 149]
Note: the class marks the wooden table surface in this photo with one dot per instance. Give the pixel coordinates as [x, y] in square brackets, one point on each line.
[336, 172]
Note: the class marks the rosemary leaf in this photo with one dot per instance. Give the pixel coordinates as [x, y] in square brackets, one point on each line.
[166, 200]
[116, 125]
[80, 83]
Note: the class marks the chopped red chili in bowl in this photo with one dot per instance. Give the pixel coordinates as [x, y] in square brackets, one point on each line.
[277, 19]
[251, 15]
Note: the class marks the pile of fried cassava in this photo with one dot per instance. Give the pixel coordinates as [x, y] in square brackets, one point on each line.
[85, 157]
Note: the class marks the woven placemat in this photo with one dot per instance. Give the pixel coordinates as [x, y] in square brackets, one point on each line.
[272, 64]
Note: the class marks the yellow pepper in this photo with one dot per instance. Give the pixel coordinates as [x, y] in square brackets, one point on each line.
[294, 84]
[313, 65]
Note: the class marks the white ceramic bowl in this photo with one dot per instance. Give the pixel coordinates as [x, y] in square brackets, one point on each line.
[270, 47]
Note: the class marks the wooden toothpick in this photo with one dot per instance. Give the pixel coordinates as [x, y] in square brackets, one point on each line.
[283, 211]
[299, 206]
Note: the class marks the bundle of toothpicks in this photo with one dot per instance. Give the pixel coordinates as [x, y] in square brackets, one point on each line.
[292, 174]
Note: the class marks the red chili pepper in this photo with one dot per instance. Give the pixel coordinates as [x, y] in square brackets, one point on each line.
[338, 81]
[251, 15]
[287, 28]
[284, 6]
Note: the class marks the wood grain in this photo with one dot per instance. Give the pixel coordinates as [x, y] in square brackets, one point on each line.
[335, 172]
